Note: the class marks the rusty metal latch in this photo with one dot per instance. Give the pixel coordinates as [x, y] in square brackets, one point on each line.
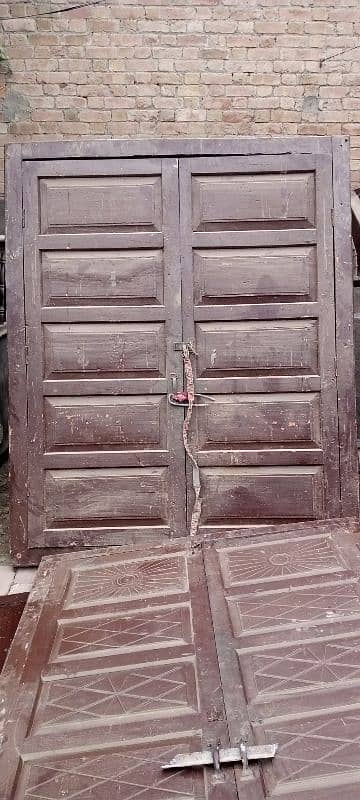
[215, 756]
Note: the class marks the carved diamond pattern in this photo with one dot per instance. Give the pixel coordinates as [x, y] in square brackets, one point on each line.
[138, 690]
[278, 610]
[122, 776]
[295, 668]
[266, 562]
[156, 629]
[129, 580]
[314, 748]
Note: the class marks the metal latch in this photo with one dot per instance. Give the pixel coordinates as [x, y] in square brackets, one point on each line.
[215, 756]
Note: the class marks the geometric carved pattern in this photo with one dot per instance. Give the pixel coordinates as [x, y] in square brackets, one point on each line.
[128, 580]
[299, 667]
[107, 634]
[141, 689]
[274, 561]
[124, 775]
[285, 609]
[316, 748]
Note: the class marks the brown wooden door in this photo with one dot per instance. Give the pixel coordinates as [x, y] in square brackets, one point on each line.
[126, 257]
[286, 612]
[124, 659]
[102, 305]
[258, 300]
[129, 678]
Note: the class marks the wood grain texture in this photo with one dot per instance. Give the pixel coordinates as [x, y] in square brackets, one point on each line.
[344, 326]
[106, 299]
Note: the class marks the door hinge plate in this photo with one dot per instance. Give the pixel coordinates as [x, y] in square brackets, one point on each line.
[23, 218]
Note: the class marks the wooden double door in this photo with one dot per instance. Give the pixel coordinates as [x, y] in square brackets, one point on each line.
[124, 259]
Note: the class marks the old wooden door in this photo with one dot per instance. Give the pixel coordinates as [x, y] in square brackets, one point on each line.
[121, 662]
[124, 259]
[103, 308]
[259, 304]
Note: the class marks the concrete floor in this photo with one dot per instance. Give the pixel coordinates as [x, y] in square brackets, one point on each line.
[12, 581]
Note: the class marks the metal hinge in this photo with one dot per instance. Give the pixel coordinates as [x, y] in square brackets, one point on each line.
[26, 348]
[23, 218]
[215, 756]
[332, 216]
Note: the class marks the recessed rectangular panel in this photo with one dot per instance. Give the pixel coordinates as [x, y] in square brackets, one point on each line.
[255, 275]
[236, 202]
[70, 205]
[316, 756]
[101, 635]
[123, 277]
[322, 602]
[314, 664]
[284, 347]
[105, 423]
[97, 497]
[128, 579]
[235, 421]
[114, 772]
[233, 495]
[125, 695]
[284, 559]
[104, 350]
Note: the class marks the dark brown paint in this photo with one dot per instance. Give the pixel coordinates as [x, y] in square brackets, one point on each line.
[114, 276]
[124, 657]
[11, 608]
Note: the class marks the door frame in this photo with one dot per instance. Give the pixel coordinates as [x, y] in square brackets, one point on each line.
[337, 147]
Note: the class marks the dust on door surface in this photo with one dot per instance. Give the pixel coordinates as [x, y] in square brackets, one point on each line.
[125, 660]
[125, 260]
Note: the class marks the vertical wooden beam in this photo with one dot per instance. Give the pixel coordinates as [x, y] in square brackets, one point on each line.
[344, 328]
[16, 352]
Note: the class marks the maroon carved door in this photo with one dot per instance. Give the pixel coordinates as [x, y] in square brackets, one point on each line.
[125, 259]
[125, 659]
[102, 304]
[259, 304]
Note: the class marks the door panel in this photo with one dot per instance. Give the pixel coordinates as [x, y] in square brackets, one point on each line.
[251, 274]
[251, 200]
[129, 678]
[259, 308]
[286, 616]
[107, 462]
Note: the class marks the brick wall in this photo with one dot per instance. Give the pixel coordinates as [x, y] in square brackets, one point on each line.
[181, 67]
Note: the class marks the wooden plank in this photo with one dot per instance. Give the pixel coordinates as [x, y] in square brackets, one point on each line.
[344, 328]
[16, 350]
[127, 148]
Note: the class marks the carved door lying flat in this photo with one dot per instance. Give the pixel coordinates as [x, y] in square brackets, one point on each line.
[121, 663]
[129, 678]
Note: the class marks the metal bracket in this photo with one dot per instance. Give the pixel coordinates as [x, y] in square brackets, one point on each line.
[180, 399]
[178, 346]
[216, 756]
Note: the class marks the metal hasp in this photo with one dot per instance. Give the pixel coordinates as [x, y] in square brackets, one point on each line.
[215, 756]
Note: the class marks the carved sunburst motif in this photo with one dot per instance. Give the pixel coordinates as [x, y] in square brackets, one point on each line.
[273, 561]
[129, 579]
